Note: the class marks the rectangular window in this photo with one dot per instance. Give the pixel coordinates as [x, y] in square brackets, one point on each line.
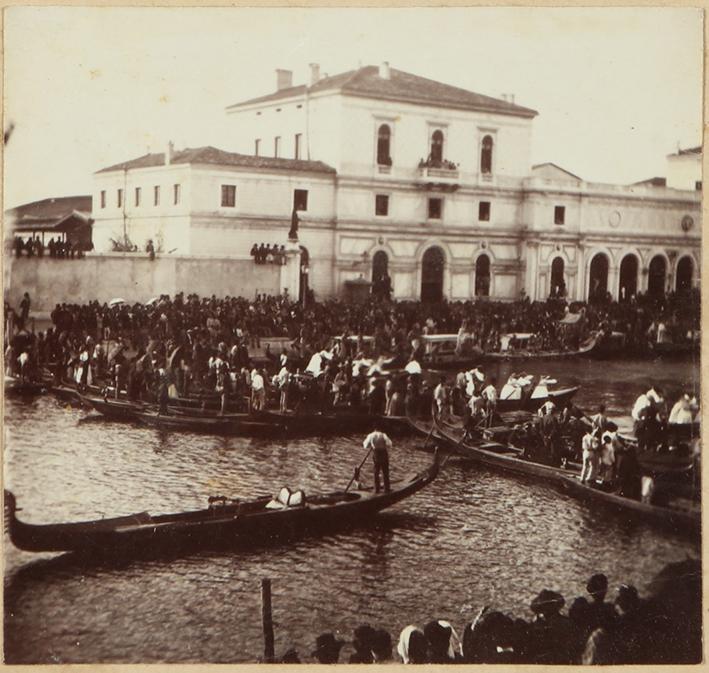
[300, 199]
[559, 214]
[484, 211]
[103, 198]
[277, 146]
[698, 185]
[381, 204]
[119, 198]
[156, 195]
[298, 137]
[228, 196]
[137, 196]
[257, 147]
[176, 194]
[435, 209]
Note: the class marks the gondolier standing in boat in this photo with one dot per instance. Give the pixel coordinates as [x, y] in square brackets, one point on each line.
[379, 443]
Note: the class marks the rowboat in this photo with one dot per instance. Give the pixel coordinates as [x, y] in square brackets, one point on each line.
[224, 521]
[442, 352]
[228, 424]
[508, 459]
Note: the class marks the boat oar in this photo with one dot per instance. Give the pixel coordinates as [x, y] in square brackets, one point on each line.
[357, 469]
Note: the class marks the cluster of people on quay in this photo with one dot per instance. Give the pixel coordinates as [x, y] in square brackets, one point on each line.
[34, 247]
[268, 254]
[664, 627]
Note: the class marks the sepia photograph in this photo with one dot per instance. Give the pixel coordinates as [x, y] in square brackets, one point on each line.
[352, 335]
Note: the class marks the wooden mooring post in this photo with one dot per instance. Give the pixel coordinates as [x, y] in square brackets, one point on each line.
[267, 621]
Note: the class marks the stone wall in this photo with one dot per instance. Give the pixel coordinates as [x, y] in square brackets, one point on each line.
[137, 278]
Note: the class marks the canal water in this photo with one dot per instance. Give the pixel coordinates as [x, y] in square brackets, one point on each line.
[472, 538]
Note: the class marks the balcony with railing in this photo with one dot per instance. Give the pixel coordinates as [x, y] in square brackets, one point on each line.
[438, 169]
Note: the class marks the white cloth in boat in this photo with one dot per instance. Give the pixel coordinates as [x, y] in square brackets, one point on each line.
[317, 362]
[681, 413]
[413, 367]
[512, 390]
[542, 389]
[641, 404]
[490, 393]
[287, 498]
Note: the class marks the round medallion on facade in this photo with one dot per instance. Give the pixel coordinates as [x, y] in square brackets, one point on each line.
[687, 222]
[614, 219]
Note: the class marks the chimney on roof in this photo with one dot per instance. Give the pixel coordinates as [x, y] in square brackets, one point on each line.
[284, 79]
[384, 70]
[169, 151]
[314, 73]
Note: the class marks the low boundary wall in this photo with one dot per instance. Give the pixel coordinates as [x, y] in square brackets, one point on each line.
[135, 277]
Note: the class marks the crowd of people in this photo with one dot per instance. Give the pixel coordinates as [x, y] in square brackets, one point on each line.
[664, 628]
[34, 247]
[267, 254]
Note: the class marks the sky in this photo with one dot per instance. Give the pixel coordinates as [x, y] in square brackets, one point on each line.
[616, 89]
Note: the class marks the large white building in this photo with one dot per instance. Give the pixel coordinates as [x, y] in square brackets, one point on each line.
[431, 183]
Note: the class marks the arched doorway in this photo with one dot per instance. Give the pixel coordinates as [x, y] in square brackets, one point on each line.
[380, 274]
[432, 266]
[482, 276]
[598, 278]
[628, 278]
[685, 271]
[656, 276]
[304, 273]
[558, 284]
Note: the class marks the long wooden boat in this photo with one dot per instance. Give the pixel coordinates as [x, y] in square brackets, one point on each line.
[507, 458]
[445, 357]
[224, 521]
[673, 350]
[228, 424]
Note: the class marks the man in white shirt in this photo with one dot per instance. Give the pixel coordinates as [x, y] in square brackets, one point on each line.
[258, 391]
[379, 443]
[490, 396]
[591, 458]
[440, 397]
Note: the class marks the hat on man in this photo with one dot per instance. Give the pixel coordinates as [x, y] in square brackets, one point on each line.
[547, 602]
[326, 642]
[598, 584]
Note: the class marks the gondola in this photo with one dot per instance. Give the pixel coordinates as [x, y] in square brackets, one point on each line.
[228, 424]
[341, 421]
[508, 458]
[688, 519]
[224, 521]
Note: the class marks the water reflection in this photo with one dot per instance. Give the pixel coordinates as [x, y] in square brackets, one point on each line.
[471, 538]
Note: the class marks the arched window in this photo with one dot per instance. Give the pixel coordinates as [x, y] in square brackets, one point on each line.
[437, 148]
[598, 279]
[381, 283]
[482, 276]
[685, 271]
[384, 145]
[656, 276]
[486, 155]
[432, 267]
[628, 278]
[558, 284]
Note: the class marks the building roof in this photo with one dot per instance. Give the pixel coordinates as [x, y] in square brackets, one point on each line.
[217, 157]
[690, 150]
[401, 86]
[60, 213]
[556, 169]
[653, 182]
